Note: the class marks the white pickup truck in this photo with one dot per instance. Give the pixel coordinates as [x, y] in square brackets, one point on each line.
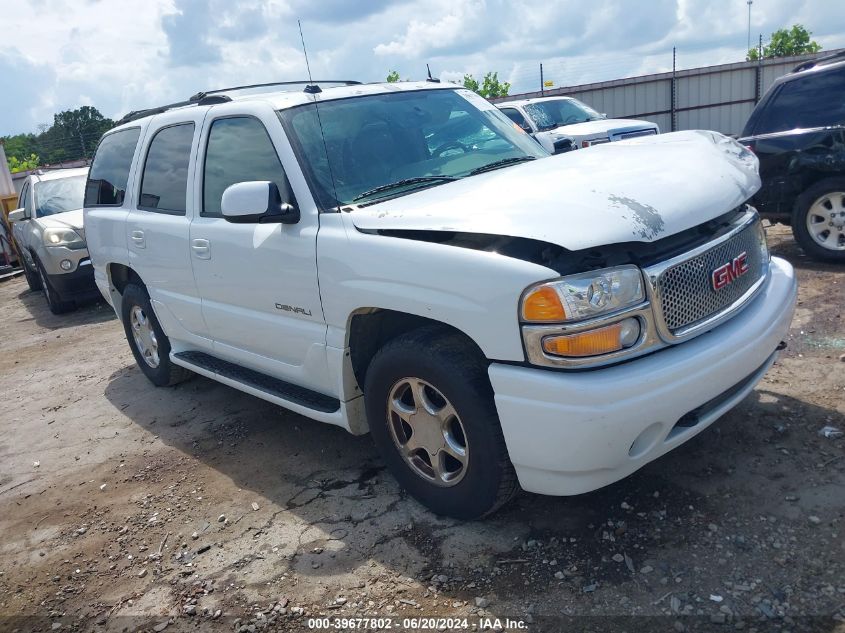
[400, 259]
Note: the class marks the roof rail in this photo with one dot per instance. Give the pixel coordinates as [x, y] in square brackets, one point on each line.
[212, 97]
[304, 82]
[818, 60]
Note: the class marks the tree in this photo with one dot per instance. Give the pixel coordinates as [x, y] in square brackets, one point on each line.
[787, 42]
[25, 164]
[490, 87]
[73, 134]
[392, 77]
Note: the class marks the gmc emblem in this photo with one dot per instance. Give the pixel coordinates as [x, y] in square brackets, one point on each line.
[729, 272]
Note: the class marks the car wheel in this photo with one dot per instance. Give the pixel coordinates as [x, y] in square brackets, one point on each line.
[433, 419]
[33, 280]
[818, 221]
[148, 342]
[55, 302]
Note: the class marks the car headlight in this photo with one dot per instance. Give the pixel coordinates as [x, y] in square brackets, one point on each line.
[63, 237]
[583, 296]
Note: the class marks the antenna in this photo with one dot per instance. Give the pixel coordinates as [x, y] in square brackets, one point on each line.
[430, 78]
[314, 89]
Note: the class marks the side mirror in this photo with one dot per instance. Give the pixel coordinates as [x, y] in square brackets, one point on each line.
[604, 115]
[17, 215]
[257, 201]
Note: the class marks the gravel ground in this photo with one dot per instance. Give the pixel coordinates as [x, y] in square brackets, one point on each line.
[126, 507]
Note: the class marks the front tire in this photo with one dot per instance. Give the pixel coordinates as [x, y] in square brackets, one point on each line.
[818, 220]
[55, 302]
[148, 342]
[32, 278]
[433, 419]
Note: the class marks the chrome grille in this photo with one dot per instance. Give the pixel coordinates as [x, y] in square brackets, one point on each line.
[649, 132]
[686, 290]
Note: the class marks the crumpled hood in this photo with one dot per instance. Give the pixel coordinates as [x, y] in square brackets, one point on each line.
[641, 190]
[602, 127]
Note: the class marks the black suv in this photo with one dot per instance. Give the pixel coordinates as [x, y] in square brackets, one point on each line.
[798, 132]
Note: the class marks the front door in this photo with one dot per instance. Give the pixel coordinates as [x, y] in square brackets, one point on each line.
[258, 282]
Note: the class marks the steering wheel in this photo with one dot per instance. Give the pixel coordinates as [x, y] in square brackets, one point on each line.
[571, 119]
[449, 145]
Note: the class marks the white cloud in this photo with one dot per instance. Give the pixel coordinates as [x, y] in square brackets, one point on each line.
[130, 54]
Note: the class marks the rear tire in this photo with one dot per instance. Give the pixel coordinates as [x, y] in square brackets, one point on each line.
[55, 302]
[148, 342]
[433, 419]
[818, 220]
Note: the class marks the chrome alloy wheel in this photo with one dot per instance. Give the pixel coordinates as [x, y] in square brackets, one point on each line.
[428, 432]
[826, 221]
[144, 336]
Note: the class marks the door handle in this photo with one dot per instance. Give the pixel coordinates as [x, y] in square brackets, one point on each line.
[138, 238]
[201, 248]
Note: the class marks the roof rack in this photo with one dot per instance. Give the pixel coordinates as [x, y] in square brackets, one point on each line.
[212, 97]
[818, 60]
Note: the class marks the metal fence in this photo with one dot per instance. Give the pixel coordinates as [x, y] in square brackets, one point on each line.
[717, 98]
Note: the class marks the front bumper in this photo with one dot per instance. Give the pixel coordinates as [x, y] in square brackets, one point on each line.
[76, 284]
[569, 433]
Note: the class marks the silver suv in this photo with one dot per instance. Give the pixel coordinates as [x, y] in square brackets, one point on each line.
[48, 230]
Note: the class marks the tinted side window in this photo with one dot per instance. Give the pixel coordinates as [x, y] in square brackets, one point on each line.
[110, 170]
[515, 116]
[812, 101]
[239, 150]
[164, 184]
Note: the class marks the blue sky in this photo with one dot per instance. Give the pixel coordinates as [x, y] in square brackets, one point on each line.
[121, 55]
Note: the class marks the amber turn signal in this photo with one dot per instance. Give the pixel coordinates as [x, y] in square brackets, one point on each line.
[542, 305]
[603, 340]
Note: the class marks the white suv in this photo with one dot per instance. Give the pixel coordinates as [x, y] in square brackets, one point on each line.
[401, 260]
[561, 124]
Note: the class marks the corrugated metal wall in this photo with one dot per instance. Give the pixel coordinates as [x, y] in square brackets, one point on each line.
[711, 98]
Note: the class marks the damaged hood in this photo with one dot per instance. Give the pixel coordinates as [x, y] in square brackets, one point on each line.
[641, 190]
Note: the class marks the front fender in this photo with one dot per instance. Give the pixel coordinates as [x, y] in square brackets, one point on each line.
[473, 291]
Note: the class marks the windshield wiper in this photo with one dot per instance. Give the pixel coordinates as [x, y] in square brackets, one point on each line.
[402, 183]
[496, 164]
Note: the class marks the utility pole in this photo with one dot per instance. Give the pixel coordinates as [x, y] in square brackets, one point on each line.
[542, 82]
[748, 46]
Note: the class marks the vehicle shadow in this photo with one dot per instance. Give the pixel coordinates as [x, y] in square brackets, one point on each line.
[90, 311]
[337, 508]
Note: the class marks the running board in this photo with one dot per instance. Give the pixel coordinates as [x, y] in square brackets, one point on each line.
[255, 382]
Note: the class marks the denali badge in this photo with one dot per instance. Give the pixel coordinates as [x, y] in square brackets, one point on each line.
[727, 273]
[294, 309]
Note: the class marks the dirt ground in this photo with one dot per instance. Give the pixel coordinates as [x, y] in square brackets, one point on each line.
[126, 507]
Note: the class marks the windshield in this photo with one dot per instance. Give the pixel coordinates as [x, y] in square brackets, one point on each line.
[556, 112]
[404, 139]
[58, 196]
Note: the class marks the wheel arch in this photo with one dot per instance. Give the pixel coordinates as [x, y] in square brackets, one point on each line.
[120, 276]
[368, 329]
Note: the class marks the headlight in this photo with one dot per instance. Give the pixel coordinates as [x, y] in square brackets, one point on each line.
[583, 296]
[63, 237]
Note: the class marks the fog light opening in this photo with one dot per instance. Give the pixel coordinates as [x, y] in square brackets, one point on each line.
[66, 264]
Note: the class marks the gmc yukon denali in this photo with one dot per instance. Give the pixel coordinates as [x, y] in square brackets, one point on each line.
[401, 260]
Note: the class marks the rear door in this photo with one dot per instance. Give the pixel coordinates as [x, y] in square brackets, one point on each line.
[158, 225]
[258, 282]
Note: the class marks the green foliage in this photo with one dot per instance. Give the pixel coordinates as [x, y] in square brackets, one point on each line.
[24, 164]
[392, 77]
[787, 42]
[73, 135]
[490, 87]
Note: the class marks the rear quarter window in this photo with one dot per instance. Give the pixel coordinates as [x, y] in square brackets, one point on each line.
[106, 185]
[817, 100]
